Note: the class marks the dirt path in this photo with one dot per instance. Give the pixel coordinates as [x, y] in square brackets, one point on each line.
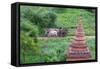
[63, 37]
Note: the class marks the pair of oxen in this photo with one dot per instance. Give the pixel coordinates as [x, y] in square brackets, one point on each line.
[55, 32]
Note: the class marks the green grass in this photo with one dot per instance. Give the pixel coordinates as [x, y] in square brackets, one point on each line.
[55, 50]
[69, 20]
[92, 46]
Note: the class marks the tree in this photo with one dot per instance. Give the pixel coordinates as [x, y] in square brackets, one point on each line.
[49, 19]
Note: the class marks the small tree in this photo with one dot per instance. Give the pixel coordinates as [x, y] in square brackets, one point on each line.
[49, 19]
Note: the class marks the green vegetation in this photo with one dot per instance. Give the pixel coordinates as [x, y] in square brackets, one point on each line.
[36, 48]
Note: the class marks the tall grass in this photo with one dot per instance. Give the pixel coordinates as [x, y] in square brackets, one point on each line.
[55, 50]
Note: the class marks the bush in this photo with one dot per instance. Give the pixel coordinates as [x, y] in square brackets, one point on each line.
[28, 47]
[49, 19]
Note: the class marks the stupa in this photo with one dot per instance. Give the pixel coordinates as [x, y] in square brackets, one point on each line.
[78, 50]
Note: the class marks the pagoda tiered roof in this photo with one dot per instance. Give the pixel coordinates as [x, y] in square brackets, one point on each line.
[78, 49]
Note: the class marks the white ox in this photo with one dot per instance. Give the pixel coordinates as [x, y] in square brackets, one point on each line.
[52, 33]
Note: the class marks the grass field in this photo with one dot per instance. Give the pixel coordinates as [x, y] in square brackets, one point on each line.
[55, 49]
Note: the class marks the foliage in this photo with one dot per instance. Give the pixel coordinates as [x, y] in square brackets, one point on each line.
[28, 47]
[55, 50]
[35, 48]
[49, 19]
[39, 19]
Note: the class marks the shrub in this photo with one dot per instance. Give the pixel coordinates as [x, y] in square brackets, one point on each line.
[28, 47]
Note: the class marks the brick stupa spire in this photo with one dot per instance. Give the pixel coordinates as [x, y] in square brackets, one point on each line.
[78, 49]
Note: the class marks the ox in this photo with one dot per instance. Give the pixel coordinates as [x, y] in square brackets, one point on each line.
[54, 32]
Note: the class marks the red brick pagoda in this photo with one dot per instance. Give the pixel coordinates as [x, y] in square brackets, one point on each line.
[78, 49]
